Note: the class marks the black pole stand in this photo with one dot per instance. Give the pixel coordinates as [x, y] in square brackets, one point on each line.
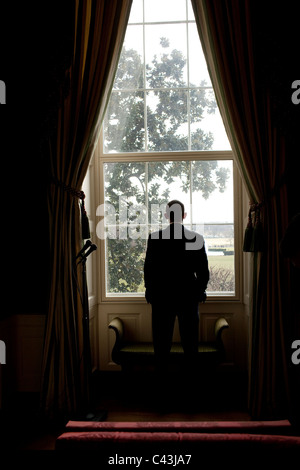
[87, 414]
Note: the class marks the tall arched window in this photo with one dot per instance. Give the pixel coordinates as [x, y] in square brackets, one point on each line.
[163, 138]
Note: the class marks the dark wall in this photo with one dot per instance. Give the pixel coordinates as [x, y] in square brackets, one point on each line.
[276, 29]
[34, 42]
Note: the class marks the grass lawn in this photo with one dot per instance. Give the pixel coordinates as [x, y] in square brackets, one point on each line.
[222, 261]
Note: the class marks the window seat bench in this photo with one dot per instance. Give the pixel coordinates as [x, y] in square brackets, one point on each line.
[129, 354]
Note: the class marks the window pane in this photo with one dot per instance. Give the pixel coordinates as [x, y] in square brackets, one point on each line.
[136, 12]
[125, 224]
[219, 240]
[191, 15]
[198, 73]
[212, 191]
[168, 10]
[207, 129]
[166, 55]
[167, 181]
[125, 180]
[212, 205]
[125, 265]
[167, 121]
[130, 71]
[124, 129]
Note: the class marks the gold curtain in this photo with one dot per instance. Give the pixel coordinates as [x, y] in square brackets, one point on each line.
[99, 29]
[227, 33]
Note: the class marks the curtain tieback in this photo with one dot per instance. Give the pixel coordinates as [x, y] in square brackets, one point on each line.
[66, 187]
[253, 239]
[85, 226]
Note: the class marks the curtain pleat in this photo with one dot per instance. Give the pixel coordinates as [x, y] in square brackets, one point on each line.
[227, 33]
[99, 29]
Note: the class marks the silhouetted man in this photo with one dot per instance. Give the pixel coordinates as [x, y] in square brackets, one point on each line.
[176, 276]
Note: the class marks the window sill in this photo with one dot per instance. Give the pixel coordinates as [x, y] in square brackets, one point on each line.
[140, 299]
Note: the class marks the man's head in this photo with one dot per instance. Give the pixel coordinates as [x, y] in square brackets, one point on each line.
[175, 211]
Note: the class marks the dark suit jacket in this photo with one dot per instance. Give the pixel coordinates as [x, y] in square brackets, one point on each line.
[176, 267]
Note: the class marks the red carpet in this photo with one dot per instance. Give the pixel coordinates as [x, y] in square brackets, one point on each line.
[115, 440]
[252, 427]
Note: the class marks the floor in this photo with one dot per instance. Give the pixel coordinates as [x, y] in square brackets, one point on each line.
[134, 397]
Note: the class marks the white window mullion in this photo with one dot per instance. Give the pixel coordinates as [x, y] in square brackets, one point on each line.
[191, 193]
[188, 79]
[147, 197]
[144, 72]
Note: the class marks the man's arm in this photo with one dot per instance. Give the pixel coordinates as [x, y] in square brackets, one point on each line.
[148, 276]
[202, 272]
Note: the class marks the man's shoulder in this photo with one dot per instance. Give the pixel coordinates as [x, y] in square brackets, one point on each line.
[161, 234]
[191, 234]
[194, 240]
[178, 232]
[155, 235]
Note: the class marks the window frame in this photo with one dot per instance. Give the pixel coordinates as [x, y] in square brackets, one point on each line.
[102, 158]
[156, 156]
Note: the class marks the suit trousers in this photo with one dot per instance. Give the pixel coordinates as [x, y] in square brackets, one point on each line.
[163, 320]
